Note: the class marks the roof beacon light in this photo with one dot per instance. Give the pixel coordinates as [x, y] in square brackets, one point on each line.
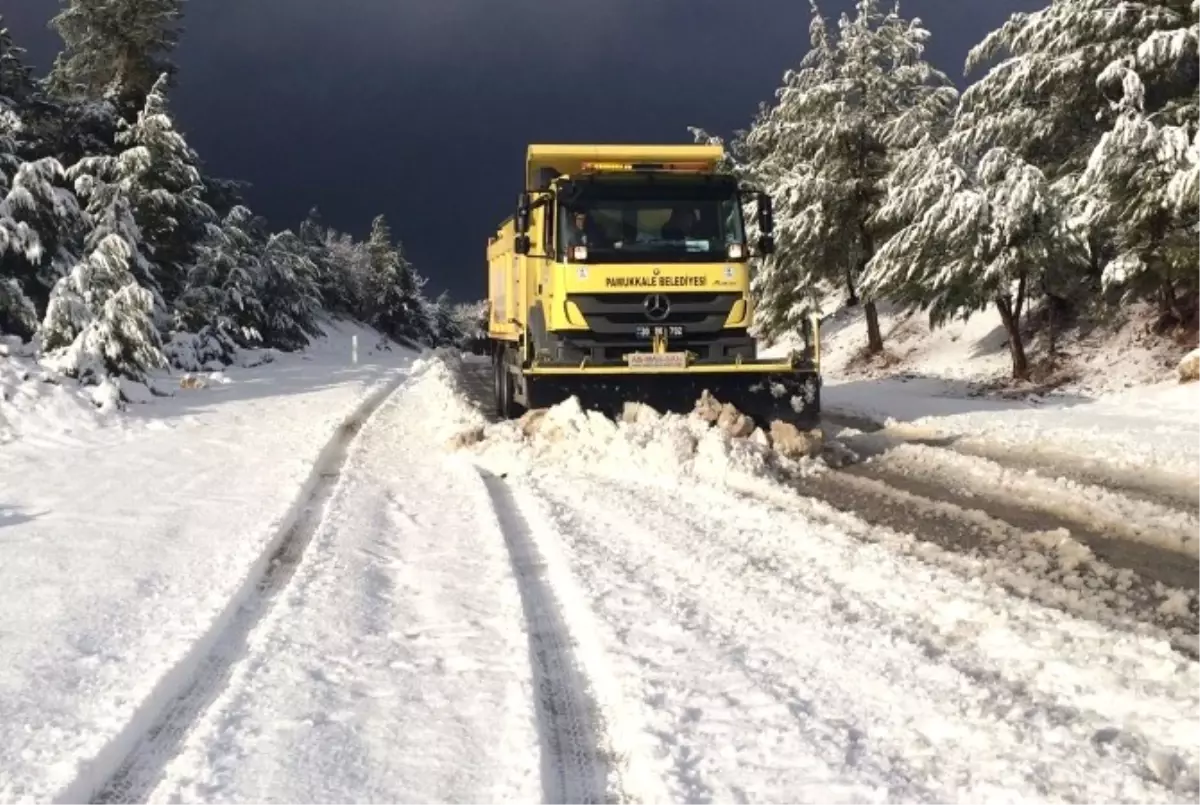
[606, 166]
[625, 167]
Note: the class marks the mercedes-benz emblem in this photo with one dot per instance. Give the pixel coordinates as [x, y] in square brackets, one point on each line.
[657, 306]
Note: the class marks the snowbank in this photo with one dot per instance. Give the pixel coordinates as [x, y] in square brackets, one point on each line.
[34, 400]
[971, 354]
[661, 448]
[131, 540]
[41, 404]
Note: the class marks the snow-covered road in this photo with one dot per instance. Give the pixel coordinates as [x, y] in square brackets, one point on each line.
[604, 613]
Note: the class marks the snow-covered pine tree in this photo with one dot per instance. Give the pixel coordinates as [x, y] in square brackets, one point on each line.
[16, 77]
[336, 294]
[107, 184]
[1141, 182]
[824, 151]
[351, 263]
[115, 50]
[421, 325]
[44, 225]
[472, 321]
[289, 293]
[445, 327]
[99, 321]
[219, 309]
[984, 234]
[39, 216]
[1041, 97]
[20, 247]
[168, 196]
[222, 195]
[392, 295]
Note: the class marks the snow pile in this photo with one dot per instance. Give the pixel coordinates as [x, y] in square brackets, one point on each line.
[1189, 367]
[714, 444]
[37, 400]
[437, 382]
[658, 448]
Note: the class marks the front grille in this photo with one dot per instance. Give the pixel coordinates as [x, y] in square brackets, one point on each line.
[721, 345]
[622, 313]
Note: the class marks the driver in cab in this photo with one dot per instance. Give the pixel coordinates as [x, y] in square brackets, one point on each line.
[583, 231]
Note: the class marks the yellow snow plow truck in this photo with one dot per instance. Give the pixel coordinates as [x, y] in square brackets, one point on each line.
[623, 276]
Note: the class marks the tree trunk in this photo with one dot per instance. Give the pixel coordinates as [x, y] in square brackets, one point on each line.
[852, 297]
[1012, 324]
[874, 334]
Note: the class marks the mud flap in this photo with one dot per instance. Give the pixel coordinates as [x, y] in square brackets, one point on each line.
[793, 397]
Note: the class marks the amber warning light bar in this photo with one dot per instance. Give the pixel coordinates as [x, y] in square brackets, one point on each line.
[675, 167]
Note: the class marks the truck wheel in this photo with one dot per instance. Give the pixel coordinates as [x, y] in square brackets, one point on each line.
[503, 387]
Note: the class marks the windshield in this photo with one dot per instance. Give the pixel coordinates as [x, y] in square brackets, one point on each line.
[662, 220]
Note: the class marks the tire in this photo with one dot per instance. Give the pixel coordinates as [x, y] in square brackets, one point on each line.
[505, 408]
[498, 382]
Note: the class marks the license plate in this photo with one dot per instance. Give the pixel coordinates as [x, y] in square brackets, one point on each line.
[657, 360]
[670, 331]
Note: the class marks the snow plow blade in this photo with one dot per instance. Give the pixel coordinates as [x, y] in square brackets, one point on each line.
[764, 391]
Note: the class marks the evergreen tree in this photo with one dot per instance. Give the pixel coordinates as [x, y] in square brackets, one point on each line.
[350, 265]
[167, 195]
[16, 78]
[1140, 183]
[221, 303]
[222, 195]
[336, 293]
[44, 224]
[99, 320]
[986, 234]
[393, 294]
[115, 50]
[445, 325]
[824, 152]
[289, 293]
[1045, 99]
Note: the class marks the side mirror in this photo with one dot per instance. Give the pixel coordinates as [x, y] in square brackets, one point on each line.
[766, 215]
[521, 244]
[766, 244]
[522, 219]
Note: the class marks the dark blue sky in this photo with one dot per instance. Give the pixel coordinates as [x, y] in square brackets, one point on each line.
[421, 109]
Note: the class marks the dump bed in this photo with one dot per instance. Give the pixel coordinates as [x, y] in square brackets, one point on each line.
[506, 290]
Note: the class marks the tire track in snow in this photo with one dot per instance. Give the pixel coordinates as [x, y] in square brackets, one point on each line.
[573, 767]
[581, 762]
[130, 766]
